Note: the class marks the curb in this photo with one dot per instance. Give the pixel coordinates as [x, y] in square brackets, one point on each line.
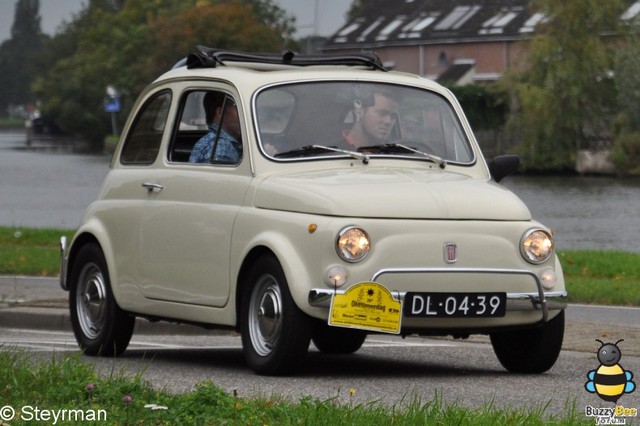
[53, 319]
[58, 319]
[39, 303]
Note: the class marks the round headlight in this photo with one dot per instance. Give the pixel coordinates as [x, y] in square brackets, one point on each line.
[352, 244]
[536, 246]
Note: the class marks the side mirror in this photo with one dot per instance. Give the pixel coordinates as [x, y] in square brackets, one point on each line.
[503, 166]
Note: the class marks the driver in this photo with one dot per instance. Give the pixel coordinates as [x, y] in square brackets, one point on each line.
[375, 117]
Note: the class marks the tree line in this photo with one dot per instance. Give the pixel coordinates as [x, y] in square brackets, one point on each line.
[580, 88]
[126, 45]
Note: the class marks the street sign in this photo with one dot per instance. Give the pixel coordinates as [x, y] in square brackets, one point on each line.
[112, 104]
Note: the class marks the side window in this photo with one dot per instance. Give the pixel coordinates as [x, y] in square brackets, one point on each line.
[208, 123]
[143, 141]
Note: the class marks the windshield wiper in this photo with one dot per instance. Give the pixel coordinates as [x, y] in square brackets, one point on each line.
[431, 157]
[314, 148]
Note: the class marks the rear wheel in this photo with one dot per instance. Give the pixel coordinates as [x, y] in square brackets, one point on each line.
[531, 351]
[99, 325]
[275, 332]
[336, 340]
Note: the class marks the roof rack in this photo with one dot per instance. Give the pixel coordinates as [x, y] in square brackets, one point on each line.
[208, 57]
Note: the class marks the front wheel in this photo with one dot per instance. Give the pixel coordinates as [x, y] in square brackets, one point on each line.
[99, 325]
[275, 332]
[531, 351]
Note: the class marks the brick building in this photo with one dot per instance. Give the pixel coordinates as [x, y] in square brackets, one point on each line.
[458, 41]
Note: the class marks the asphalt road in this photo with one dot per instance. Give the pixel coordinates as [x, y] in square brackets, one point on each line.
[387, 370]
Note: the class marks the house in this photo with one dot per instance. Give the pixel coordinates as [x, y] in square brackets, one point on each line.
[452, 41]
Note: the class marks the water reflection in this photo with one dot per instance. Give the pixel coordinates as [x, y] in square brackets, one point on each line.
[585, 212]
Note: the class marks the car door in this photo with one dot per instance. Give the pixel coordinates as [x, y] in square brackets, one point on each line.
[185, 227]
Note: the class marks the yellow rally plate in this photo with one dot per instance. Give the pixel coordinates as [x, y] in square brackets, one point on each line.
[367, 306]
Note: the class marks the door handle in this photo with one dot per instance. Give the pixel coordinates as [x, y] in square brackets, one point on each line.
[152, 186]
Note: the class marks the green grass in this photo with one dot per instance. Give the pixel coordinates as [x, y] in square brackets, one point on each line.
[66, 383]
[11, 123]
[26, 251]
[602, 277]
[597, 277]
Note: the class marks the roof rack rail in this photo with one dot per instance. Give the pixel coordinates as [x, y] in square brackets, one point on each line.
[208, 57]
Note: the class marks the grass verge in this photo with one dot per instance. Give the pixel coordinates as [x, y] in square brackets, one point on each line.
[602, 277]
[65, 386]
[11, 123]
[28, 251]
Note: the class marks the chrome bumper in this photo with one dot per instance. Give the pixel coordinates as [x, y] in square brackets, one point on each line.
[534, 301]
[63, 263]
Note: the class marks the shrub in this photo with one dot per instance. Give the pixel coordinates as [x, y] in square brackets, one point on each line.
[626, 153]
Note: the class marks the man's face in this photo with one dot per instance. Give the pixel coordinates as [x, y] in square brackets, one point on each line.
[378, 120]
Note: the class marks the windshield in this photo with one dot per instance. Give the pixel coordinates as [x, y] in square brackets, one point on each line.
[317, 120]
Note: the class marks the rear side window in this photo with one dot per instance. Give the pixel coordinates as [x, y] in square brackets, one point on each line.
[144, 138]
[198, 139]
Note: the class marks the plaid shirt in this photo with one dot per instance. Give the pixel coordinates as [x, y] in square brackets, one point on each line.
[228, 150]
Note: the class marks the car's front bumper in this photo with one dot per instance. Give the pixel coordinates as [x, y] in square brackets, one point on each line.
[535, 300]
[63, 263]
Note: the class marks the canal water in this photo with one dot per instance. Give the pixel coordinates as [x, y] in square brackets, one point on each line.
[585, 212]
[48, 186]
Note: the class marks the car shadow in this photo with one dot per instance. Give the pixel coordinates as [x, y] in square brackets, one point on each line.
[316, 364]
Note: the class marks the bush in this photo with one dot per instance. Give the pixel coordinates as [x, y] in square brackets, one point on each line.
[626, 153]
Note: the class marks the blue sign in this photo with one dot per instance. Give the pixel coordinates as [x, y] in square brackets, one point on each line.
[112, 104]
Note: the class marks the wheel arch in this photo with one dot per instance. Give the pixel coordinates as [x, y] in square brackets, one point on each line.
[293, 266]
[79, 241]
[88, 234]
[242, 284]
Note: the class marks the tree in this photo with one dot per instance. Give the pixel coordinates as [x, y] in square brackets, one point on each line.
[357, 6]
[485, 107]
[18, 55]
[566, 100]
[129, 44]
[271, 15]
[626, 148]
[232, 25]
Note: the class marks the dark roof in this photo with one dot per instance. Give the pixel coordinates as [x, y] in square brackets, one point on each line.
[455, 73]
[406, 22]
[385, 22]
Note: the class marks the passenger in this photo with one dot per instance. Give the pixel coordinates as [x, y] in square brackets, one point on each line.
[221, 112]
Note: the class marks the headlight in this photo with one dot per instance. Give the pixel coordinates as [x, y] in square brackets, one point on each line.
[352, 244]
[536, 246]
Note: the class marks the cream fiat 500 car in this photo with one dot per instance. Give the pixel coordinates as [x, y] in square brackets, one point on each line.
[310, 198]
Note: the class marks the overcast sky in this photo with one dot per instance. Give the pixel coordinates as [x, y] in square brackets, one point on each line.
[329, 14]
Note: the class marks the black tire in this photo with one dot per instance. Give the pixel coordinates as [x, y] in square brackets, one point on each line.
[531, 351]
[275, 332]
[100, 326]
[336, 340]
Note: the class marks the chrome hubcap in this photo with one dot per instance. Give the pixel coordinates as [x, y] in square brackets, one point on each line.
[265, 315]
[91, 301]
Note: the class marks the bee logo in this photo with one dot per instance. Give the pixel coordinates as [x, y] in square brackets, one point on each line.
[609, 381]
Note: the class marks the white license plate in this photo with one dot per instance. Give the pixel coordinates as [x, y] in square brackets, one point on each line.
[455, 305]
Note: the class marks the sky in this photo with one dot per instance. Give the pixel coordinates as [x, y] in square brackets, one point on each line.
[324, 15]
